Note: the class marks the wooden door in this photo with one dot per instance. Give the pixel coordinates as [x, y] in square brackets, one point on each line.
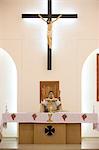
[26, 133]
[97, 77]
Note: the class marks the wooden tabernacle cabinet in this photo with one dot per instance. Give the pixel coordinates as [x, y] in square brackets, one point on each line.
[48, 133]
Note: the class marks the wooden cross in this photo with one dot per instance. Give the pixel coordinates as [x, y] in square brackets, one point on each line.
[49, 16]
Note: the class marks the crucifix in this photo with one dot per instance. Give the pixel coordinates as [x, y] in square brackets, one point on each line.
[49, 22]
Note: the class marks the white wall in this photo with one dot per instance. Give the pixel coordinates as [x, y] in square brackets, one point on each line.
[26, 42]
[89, 102]
[8, 89]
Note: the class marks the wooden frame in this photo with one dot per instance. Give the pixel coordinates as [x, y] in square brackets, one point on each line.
[46, 86]
[97, 77]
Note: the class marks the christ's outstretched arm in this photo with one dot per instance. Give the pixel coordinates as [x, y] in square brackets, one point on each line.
[42, 18]
[56, 18]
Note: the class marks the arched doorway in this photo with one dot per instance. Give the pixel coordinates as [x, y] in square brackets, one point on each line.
[8, 89]
[88, 90]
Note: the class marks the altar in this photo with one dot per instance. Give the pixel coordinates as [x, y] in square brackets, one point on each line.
[49, 128]
[49, 133]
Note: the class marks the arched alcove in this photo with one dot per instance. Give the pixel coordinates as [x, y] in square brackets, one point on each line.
[88, 92]
[8, 89]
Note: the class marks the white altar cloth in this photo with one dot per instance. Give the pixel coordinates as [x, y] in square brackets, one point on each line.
[57, 117]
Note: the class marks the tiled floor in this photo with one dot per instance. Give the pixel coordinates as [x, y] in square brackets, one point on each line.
[11, 144]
